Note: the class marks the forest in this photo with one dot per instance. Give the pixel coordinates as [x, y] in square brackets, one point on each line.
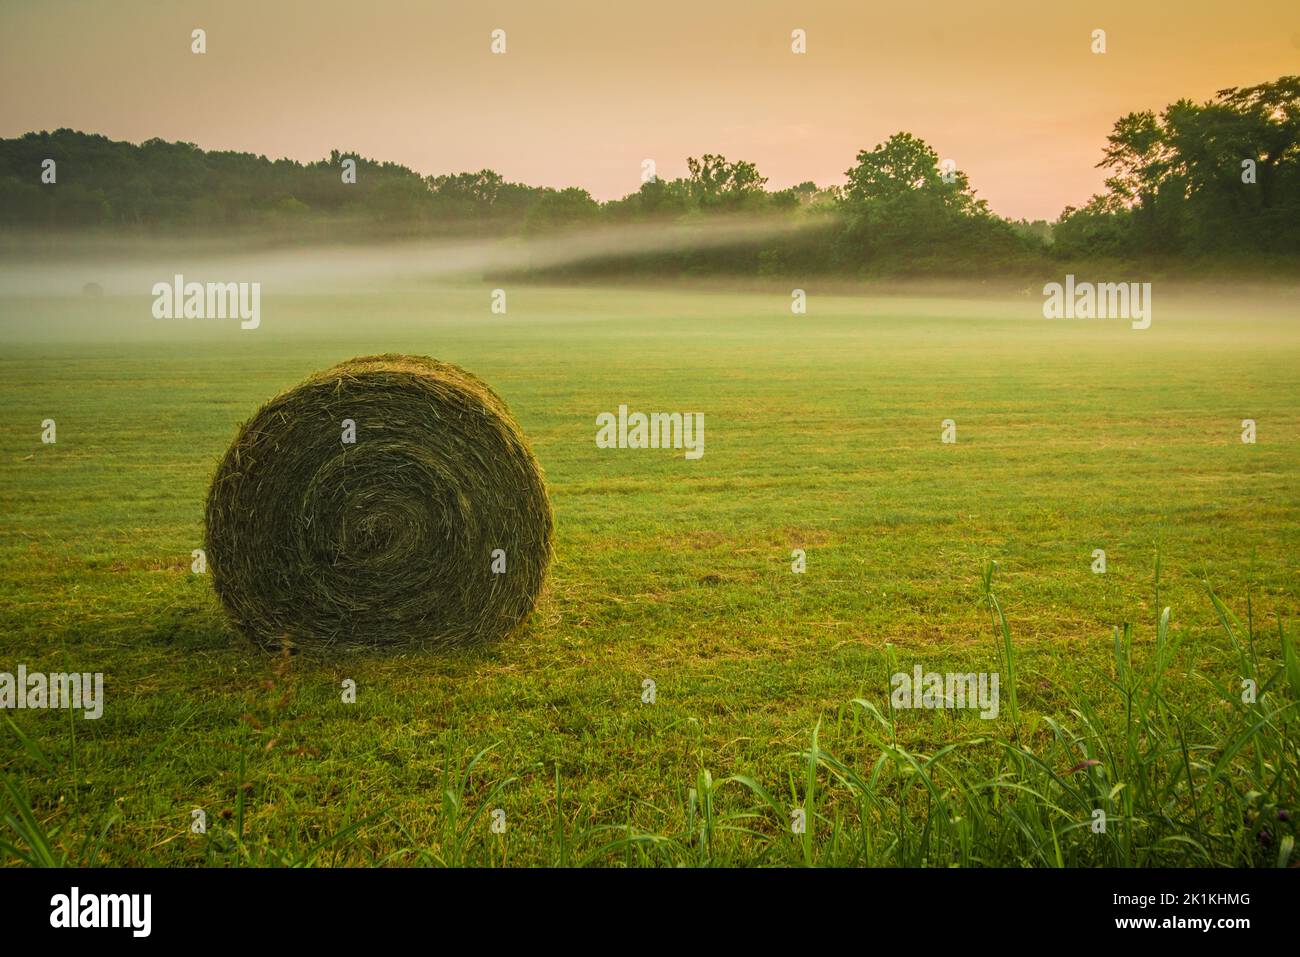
[1194, 186]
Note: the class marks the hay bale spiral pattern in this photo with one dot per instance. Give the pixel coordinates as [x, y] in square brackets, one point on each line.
[387, 541]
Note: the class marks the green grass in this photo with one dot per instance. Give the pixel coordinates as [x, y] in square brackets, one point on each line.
[822, 433]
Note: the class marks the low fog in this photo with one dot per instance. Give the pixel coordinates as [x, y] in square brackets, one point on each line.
[132, 267]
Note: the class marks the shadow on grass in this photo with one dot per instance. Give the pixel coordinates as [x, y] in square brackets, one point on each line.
[189, 627]
[202, 626]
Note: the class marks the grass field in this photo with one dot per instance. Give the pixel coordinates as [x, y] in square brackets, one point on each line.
[822, 433]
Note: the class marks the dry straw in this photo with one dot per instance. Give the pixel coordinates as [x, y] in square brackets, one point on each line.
[390, 540]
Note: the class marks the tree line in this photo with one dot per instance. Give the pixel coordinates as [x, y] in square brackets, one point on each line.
[1197, 182]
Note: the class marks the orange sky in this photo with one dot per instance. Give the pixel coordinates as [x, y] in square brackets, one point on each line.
[587, 90]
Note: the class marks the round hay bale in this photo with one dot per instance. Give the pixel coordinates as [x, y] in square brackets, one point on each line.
[432, 527]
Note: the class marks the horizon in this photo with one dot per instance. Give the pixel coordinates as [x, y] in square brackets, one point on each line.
[700, 81]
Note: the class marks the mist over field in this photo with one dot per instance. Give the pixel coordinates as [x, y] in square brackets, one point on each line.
[125, 268]
[823, 435]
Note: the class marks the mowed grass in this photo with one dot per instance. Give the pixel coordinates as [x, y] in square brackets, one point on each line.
[822, 433]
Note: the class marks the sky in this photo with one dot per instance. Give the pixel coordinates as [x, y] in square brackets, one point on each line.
[586, 91]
